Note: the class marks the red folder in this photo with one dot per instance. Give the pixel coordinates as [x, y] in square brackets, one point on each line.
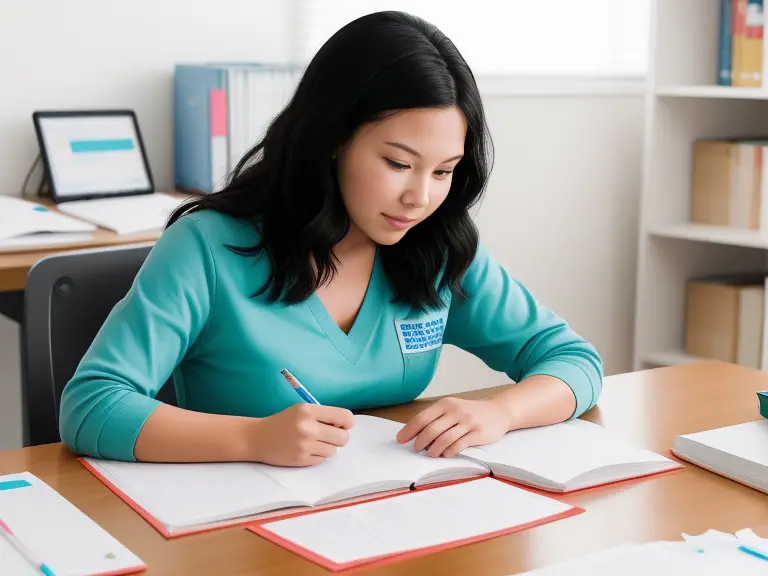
[259, 528]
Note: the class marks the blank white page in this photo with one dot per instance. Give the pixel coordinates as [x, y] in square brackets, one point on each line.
[562, 451]
[371, 456]
[416, 520]
[748, 441]
[187, 494]
[62, 536]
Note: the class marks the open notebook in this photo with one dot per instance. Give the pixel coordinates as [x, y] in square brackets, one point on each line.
[54, 532]
[184, 498]
[738, 452]
[28, 225]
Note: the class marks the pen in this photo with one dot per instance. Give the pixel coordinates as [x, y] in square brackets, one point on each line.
[299, 387]
[23, 550]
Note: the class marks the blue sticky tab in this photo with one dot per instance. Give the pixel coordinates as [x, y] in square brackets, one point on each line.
[40, 209]
[11, 484]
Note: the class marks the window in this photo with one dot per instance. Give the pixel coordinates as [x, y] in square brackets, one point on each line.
[583, 38]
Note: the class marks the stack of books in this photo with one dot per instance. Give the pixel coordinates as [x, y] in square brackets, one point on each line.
[729, 186]
[221, 110]
[741, 58]
[725, 318]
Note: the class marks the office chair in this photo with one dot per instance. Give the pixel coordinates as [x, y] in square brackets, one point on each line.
[67, 298]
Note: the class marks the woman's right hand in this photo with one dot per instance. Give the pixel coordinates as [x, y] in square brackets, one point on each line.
[302, 435]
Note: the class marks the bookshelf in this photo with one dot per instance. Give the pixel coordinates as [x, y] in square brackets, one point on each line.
[683, 103]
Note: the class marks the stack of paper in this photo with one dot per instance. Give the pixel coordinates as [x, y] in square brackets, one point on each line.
[738, 452]
[39, 526]
[25, 225]
[710, 554]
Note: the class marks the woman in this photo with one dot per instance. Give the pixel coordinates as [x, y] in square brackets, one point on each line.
[342, 250]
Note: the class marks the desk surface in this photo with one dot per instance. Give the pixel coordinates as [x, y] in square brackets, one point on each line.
[14, 266]
[648, 408]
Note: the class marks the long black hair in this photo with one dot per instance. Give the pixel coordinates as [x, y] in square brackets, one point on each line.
[287, 183]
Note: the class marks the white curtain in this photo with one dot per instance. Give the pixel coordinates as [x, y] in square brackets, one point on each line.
[584, 38]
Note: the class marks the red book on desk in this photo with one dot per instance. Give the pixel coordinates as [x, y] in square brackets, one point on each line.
[179, 499]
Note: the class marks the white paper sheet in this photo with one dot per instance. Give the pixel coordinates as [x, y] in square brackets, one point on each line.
[416, 520]
[57, 532]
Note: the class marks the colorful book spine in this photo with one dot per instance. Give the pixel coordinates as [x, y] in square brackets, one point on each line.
[725, 43]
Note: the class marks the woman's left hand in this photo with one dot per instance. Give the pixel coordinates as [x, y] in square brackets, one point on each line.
[451, 424]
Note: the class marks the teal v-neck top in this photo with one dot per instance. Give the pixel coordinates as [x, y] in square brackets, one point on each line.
[191, 313]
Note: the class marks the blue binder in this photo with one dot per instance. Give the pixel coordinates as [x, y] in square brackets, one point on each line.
[192, 111]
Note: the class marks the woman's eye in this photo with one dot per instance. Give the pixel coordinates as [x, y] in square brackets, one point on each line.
[397, 165]
[442, 172]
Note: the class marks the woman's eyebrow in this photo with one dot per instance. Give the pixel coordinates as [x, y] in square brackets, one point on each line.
[410, 150]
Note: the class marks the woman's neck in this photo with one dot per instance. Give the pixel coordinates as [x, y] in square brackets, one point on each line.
[354, 245]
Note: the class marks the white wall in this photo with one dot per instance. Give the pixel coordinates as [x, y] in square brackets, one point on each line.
[109, 54]
[561, 205]
[561, 214]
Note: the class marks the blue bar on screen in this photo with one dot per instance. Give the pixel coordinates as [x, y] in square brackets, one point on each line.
[109, 145]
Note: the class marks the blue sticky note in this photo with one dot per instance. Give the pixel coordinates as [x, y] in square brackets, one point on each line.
[763, 396]
[40, 209]
[11, 484]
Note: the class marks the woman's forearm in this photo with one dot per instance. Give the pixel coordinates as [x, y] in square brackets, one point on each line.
[173, 434]
[537, 401]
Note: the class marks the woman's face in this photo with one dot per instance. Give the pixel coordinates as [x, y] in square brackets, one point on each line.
[395, 172]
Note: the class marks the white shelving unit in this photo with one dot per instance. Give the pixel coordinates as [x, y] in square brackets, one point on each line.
[684, 103]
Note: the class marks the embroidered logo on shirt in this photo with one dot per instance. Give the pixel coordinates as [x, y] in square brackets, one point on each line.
[420, 334]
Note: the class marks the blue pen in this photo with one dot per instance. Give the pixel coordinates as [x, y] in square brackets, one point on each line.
[299, 387]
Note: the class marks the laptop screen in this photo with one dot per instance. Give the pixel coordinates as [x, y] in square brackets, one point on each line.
[93, 155]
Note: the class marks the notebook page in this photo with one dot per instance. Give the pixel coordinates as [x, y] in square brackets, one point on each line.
[183, 495]
[562, 451]
[748, 441]
[372, 457]
[19, 217]
[415, 520]
[60, 535]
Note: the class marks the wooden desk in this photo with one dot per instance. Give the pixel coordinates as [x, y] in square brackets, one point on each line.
[649, 408]
[14, 266]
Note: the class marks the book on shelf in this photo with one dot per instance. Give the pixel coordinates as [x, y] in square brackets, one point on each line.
[220, 111]
[729, 185]
[742, 60]
[178, 499]
[725, 318]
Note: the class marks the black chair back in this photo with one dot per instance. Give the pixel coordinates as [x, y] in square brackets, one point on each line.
[68, 296]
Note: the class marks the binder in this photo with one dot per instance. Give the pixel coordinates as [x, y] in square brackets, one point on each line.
[221, 110]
